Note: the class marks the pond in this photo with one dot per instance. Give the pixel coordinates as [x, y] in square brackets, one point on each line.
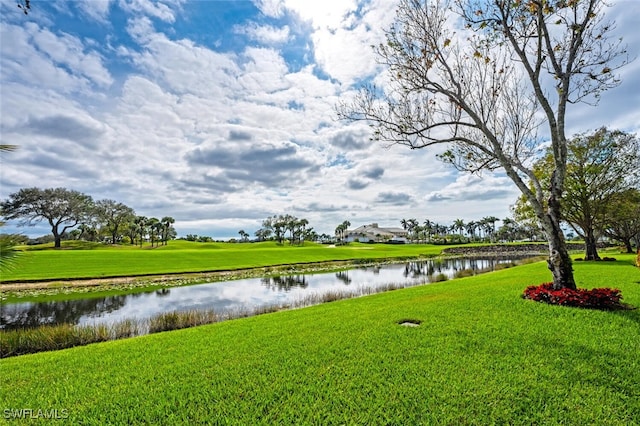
[239, 296]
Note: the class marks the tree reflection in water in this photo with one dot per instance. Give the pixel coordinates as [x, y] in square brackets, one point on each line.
[61, 312]
[285, 282]
[343, 276]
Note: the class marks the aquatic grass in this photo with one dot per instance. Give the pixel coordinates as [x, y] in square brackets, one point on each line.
[50, 338]
[505, 265]
[438, 278]
[176, 320]
[464, 273]
[125, 328]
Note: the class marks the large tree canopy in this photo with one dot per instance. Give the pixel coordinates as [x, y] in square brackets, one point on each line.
[61, 208]
[113, 215]
[622, 222]
[601, 167]
[483, 77]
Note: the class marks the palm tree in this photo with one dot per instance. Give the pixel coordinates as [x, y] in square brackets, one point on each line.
[471, 227]
[155, 228]
[303, 224]
[346, 224]
[9, 252]
[459, 226]
[490, 225]
[166, 222]
[290, 224]
[339, 230]
[412, 224]
[140, 223]
[428, 229]
[279, 228]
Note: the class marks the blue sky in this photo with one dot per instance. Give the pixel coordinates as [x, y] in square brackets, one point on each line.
[221, 113]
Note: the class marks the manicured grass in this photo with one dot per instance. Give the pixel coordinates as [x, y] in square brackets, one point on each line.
[481, 355]
[183, 256]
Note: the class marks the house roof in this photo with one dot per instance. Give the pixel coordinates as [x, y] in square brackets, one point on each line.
[374, 229]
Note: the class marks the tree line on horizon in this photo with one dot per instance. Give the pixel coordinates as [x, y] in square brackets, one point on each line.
[481, 230]
[73, 215]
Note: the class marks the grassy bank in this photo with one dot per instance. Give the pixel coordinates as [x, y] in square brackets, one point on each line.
[183, 256]
[481, 355]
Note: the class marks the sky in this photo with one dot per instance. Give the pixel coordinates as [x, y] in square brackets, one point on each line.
[222, 113]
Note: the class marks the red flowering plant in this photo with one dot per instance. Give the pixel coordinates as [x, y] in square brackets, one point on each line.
[597, 298]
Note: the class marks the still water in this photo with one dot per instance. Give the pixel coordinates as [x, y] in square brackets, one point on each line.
[235, 296]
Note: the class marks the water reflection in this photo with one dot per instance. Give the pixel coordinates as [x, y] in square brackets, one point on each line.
[343, 276]
[232, 295]
[22, 315]
[285, 282]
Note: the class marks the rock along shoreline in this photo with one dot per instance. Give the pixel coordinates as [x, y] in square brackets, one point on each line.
[506, 250]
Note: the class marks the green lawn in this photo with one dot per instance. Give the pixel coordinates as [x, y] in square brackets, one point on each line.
[183, 256]
[482, 355]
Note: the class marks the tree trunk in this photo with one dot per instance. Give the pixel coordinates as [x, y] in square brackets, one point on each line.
[628, 246]
[591, 246]
[559, 262]
[57, 240]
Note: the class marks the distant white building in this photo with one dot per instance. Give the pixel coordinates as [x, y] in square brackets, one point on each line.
[373, 233]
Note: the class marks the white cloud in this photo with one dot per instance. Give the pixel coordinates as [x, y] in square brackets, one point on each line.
[329, 14]
[471, 188]
[343, 34]
[61, 61]
[185, 67]
[97, 10]
[265, 34]
[160, 10]
[69, 51]
[263, 72]
[271, 8]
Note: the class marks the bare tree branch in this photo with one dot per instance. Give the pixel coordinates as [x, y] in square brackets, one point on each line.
[481, 88]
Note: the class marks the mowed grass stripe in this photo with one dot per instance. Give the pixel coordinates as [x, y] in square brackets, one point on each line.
[482, 355]
[179, 257]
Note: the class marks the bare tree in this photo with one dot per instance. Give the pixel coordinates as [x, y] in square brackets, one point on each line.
[479, 77]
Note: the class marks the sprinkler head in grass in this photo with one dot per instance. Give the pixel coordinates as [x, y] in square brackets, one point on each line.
[410, 322]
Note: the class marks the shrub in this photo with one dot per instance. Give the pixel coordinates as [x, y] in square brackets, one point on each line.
[464, 273]
[597, 298]
[439, 278]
